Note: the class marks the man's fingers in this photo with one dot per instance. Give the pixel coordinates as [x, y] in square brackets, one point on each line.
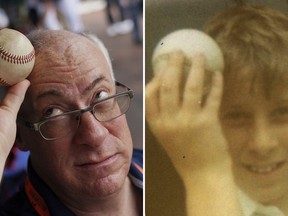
[14, 97]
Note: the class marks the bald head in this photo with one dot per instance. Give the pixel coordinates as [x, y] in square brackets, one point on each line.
[46, 42]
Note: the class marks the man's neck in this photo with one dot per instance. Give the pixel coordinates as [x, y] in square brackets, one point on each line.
[124, 202]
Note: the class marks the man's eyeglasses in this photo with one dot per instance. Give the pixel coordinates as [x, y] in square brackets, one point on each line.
[104, 110]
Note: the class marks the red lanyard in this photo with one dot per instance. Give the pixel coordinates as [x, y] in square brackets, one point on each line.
[138, 167]
[35, 199]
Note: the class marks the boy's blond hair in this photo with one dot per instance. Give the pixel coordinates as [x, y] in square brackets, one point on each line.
[253, 38]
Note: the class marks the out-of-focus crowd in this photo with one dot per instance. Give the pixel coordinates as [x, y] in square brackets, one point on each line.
[25, 15]
[28, 14]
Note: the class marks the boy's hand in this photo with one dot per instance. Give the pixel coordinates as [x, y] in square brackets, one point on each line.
[188, 129]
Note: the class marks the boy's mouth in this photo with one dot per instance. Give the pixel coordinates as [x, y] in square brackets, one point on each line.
[264, 169]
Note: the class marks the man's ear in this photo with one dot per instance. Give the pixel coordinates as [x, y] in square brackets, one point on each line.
[19, 141]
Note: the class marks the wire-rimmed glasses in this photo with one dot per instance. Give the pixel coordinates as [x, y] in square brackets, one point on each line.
[104, 110]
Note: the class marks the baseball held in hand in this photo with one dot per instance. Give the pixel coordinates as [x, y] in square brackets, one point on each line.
[17, 57]
[190, 42]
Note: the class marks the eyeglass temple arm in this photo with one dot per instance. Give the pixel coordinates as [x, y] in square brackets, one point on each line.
[27, 124]
[130, 91]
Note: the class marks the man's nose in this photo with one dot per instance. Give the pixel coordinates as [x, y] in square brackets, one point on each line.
[91, 131]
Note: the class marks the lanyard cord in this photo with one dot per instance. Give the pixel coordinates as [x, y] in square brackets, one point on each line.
[35, 199]
[38, 202]
[138, 167]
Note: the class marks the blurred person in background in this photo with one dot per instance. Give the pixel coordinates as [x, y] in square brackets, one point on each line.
[33, 14]
[43, 14]
[69, 9]
[116, 16]
[4, 20]
[136, 10]
[47, 13]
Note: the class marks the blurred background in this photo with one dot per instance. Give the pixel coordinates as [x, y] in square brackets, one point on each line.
[118, 23]
[165, 194]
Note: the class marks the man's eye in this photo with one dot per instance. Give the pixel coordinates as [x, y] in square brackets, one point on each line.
[101, 95]
[50, 112]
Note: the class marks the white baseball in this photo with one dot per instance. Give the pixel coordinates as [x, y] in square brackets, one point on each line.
[17, 57]
[191, 42]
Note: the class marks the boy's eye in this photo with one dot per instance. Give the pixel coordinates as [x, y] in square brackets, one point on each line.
[236, 118]
[52, 111]
[280, 114]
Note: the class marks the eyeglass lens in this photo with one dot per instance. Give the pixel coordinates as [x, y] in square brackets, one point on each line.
[68, 123]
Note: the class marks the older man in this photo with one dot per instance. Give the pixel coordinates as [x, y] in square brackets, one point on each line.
[72, 121]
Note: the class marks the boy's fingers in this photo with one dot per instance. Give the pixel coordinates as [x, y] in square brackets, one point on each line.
[152, 99]
[215, 95]
[193, 91]
[171, 77]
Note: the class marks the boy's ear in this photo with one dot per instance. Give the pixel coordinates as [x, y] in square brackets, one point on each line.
[19, 141]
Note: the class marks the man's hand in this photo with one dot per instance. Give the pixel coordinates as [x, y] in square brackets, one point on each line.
[9, 107]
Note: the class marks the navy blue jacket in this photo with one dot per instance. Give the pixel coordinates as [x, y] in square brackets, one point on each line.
[19, 204]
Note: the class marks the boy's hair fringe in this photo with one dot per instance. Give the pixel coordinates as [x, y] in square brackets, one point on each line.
[252, 38]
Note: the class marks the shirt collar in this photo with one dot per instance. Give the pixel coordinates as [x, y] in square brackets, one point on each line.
[253, 208]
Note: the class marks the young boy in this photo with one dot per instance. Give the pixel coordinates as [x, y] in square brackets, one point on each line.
[231, 151]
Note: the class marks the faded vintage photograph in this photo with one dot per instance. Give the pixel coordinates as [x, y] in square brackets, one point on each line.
[216, 107]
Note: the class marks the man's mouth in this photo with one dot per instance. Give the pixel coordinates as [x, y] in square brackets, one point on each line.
[100, 162]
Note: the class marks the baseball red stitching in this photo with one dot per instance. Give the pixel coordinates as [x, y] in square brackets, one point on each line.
[3, 82]
[15, 59]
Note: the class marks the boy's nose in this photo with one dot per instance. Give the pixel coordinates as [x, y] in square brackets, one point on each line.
[263, 140]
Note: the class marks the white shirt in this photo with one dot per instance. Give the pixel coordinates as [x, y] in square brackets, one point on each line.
[253, 208]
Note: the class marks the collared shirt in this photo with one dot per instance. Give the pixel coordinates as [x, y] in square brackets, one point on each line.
[253, 208]
[21, 203]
